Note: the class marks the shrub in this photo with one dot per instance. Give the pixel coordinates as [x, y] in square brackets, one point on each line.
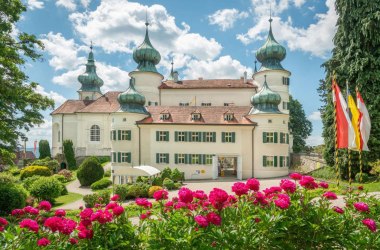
[46, 188]
[122, 190]
[138, 190]
[157, 181]
[14, 171]
[60, 178]
[107, 173]
[152, 190]
[365, 177]
[90, 171]
[11, 196]
[44, 149]
[27, 183]
[52, 164]
[102, 198]
[35, 170]
[103, 159]
[66, 174]
[68, 151]
[177, 185]
[375, 168]
[166, 173]
[168, 183]
[176, 175]
[142, 179]
[101, 184]
[6, 178]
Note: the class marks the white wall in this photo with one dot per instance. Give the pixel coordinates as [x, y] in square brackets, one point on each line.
[147, 83]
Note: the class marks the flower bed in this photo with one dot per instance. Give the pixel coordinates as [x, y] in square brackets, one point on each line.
[287, 216]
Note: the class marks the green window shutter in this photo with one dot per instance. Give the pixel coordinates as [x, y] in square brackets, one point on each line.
[287, 138]
[167, 136]
[129, 135]
[275, 137]
[114, 157]
[157, 135]
[176, 135]
[204, 136]
[118, 156]
[264, 137]
[199, 135]
[186, 158]
[176, 158]
[119, 135]
[203, 159]
[214, 136]
[114, 135]
[223, 137]
[281, 137]
[264, 161]
[157, 158]
[167, 158]
[111, 135]
[275, 161]
[233, 136]
[281, 161]
[287, 161]
[129, 157]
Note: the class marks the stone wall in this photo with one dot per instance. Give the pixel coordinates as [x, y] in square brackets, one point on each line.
[305, 163]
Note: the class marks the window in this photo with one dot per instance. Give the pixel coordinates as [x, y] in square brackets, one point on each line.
[113, 135]
[194, 159]
[155, 103]
[183, 104]
[196, 116]
[121, 179]
[125, 135]
[114, 157]
[269, 161]
[208, 159]
[181, 158]
[228, 136]
[164, 116]
[125, 157]
[285, 105]
[229, 104]
[162, 135]
[228, 117]
[95, 133]
[284, 161]
[121, 157]
[206, 104]
[282, 137]
[285, 80]
[181, 136]
[162, 158]
[270, 137]
[210, 137]
[195, 136]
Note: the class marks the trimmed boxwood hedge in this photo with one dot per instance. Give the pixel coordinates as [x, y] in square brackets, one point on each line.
[11, 196]
[35, 170]
[90, 171]
[100, 184]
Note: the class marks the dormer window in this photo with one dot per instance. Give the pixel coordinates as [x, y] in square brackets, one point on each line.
[196, 116]
[206, 104]
[229, 117]
[164, 116]
[183, 104]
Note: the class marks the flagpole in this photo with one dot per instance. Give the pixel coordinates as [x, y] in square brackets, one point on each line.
[361, 166]
[337, 170]
[360, 142]
[349, 167]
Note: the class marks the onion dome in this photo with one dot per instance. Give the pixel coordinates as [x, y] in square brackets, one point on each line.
[145, 55]
[271, 53]
[90, 80]
[131, 100]
[266, 100]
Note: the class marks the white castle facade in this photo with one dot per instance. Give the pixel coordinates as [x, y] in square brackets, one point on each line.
[207, 128]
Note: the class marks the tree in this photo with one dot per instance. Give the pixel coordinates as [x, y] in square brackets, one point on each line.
[20, 104]
[44, 149]
[355, 59]
[300, 126]
[68, 150]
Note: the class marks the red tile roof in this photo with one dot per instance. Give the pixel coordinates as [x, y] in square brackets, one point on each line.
[208, 84]
[71, 106]
[209, 115]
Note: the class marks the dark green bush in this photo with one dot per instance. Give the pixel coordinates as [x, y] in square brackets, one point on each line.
[101, 184]
[107, 173]
[157, 181]
[60, 178]
[52, 164]
[44, 149]
[142, 179]
[27, 183]
[46, 188]
[90, 171]
[103, 197]
[176, 175]
[35, 170]
[168, 183]
[166, 173]
[11, 196]
[365, 177]
[6, 178]
[122, 190]
[103, 159]
[68, 150]
[138, 190]
[177, 185]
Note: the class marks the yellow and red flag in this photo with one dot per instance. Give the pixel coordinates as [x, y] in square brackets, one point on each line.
[354, 115]
[364, 123]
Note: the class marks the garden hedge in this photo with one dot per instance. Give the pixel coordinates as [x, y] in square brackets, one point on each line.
[35, 170]
[90, 171]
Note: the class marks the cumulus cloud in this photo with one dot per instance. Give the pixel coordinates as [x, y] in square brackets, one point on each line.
[68, 4]
[41, 132]
[35, 4]
[58, 99]
[226, 18]
[315, 116]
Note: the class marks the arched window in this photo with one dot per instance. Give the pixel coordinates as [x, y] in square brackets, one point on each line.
[95, 133]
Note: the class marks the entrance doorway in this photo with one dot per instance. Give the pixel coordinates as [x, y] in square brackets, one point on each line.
[227, 166]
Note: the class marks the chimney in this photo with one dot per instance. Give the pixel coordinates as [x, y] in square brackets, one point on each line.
[245, 77]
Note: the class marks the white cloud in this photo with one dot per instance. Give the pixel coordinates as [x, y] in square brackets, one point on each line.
[35, 4]
[68, 4]
[226, 18]
[299, 3]
[314, 140]
[41, 132]
[58, 99]
[315, 116]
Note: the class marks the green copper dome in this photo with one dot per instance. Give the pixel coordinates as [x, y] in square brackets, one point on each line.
[271, 53]
[131, 100]
[265, 101]
[145, 55]
[90, 80]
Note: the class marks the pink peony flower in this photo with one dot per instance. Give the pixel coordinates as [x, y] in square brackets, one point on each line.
[282, 201]
[288, 186]
[214, 218]
[86, 213]
[86, 234]
[31, 210]
[253, 184]
[180, 205]
[201, 220]
[2, 229]
[54, 223]
[185, 195]
[44, 205]
[324, 185]
[200, 195]
[371, 224]
[60, 213]
[308, 182]
[169, 204]
[143, 202]
[32, 225]
[272, 190]
[67, 226]
[338, 210]
[361, 207]
[257, 220]
[330, 195]
[160, 195]
[239, 188]
[3, 222]
[260, 198]
[118, 210]
[17, 212]
[116, 197]
[295, 176]
[218, 197]
[111, 205]
[231, 199]
[73, 241]
[43, 242]
[101, 216]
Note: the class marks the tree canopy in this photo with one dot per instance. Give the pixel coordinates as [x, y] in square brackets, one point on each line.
[300, 126]
[20, 104]
[356, 59]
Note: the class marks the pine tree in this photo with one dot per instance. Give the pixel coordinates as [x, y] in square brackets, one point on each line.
[355, 59]
[300, 126]
[44, 149]
[68, 150]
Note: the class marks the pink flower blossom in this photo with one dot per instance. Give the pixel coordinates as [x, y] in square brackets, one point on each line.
[73, 241]
[288, 186]
[17, 212]
[361, 207]
[218, 197]
[308, 182]
[118, 210]
[44, 205]
[253, 184]
[116, 197]
[260, 198]
[371, 224]
[324, 185]
[239, 188]
[295, 176]
[32, 225]
[31, 210]
[143, 216]
[2, 228]
[330, 195]
[180, 205]
[111, 205]
[86, 234]
[143, 202]
[231, 199]
[338, 210]
[43, 242]
[214, 218]
[272, 190]
[86, 213]
[282, 201]
[200, 195]
[67, 226]
[169, 204]
[101, 216]
[54, 223]
[160, 195]
[60, 213]
[185, 195]
[257, 220]
[201, 220]
[3, 222]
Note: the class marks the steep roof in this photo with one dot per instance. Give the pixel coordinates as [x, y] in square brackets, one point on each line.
[208, 84]
[209, 115]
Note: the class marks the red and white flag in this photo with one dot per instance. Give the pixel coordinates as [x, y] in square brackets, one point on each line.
[364, 122]
[35, 146]
[344, 132]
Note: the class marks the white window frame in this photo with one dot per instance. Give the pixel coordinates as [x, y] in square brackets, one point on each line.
[194, 159]
[195, 137]
[162, 135]
[164, 116]
[284, 161]
[181, 158]
[228, 137]
[228, 117]
[95, 133]
[124, 156]
[208, 159]
[270, 137]
[269, 161]
[161, 158]
[124, 135]
[196, 117]
[206, 104]
[283, 138]
[181, 136]
[209, 137]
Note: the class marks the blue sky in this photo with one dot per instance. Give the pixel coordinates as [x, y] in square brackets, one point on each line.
[208, 38]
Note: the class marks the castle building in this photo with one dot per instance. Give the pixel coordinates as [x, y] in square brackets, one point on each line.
[207, 128]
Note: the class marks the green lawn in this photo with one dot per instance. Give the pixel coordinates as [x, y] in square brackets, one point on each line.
[65, 199]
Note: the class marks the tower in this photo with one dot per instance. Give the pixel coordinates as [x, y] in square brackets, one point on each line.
[91, 82]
